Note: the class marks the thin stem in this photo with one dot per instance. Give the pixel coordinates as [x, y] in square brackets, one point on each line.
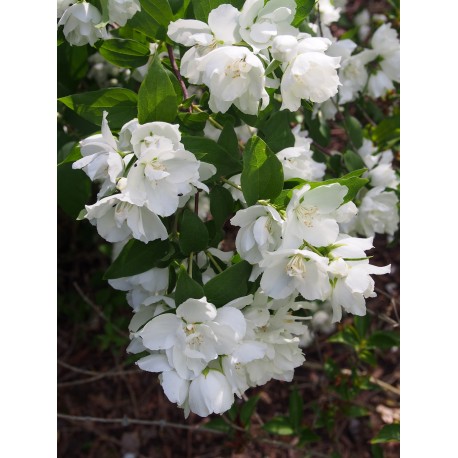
[190, 264]
[196, 203]
[319, 17]
[210, 119]
[310, 247]
[178, 74]
[213, 261]
[231, 183]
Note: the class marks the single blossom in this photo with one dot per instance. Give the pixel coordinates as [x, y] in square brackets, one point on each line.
[120, 11]
[289, 271]
[260, 231]
[79, 21]
[117, 219]
[236, 76]
[260, 23]
[311, 217]
[101, 160]
[222, 30]
[311, 75]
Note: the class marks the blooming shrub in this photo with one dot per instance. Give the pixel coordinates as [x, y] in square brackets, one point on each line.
[230, 125]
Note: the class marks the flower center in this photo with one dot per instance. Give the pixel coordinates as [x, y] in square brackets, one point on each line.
[296, 267]
[306, 214]
[236, 68]
[121, 211]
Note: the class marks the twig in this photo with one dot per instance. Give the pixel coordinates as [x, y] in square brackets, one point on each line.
[231, 183]
[88, 372]
[98, 311]
[132, 421]
[323, 150]
[210, 119]
[178, 74]
[385, 386]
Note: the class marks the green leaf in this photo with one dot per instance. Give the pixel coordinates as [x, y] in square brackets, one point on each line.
[248, 409]
[354, 411]
[70, 152]
[277, 131]
[229, 141]
[202, 8]
[125, 53]
[353, 161]
[120, 103]
[207, 150]
[376, 451]
[217, 424]
[355, 131]
[387, 131]
[296, 406]
[193, 233]
[153, 19]
[221, 204]
[157, 99]
[279, 425]
[384, 340]
[228, 285]
[347, 336]
[187, 288]
[352, 181]
[307, 435]
[136, 258]
[73, 189]
[304, 7]
[262, 175]
[389, 433]
[362, 325]
[193, 121]
[318, 129]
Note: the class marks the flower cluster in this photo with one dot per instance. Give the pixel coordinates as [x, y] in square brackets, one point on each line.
[82, 22]
[152, 171]
[214, 316]
[220, 57]
[378, 206]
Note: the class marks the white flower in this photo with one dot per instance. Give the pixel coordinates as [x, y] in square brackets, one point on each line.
[311, 75]
[378, 213]
[210, 392]
[236, 76]
[144, 286]
[288, 271]
[328, 13]
[222, 30]
[79, 21]
[350, 270]
[260, 231]
[284, 48]
[101, 160]
[379, 84]
[62, 5]
[352, 73]
[120, 11]
[386, 43]
[175, 388]
[236, 193]
[363, 20]
[260, 24]
[196, 335]
[117, 219]
[310, 215]
[164, 171]
[297, 162]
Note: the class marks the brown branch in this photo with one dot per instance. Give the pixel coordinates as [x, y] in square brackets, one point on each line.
[132, 421]
[178, 74]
